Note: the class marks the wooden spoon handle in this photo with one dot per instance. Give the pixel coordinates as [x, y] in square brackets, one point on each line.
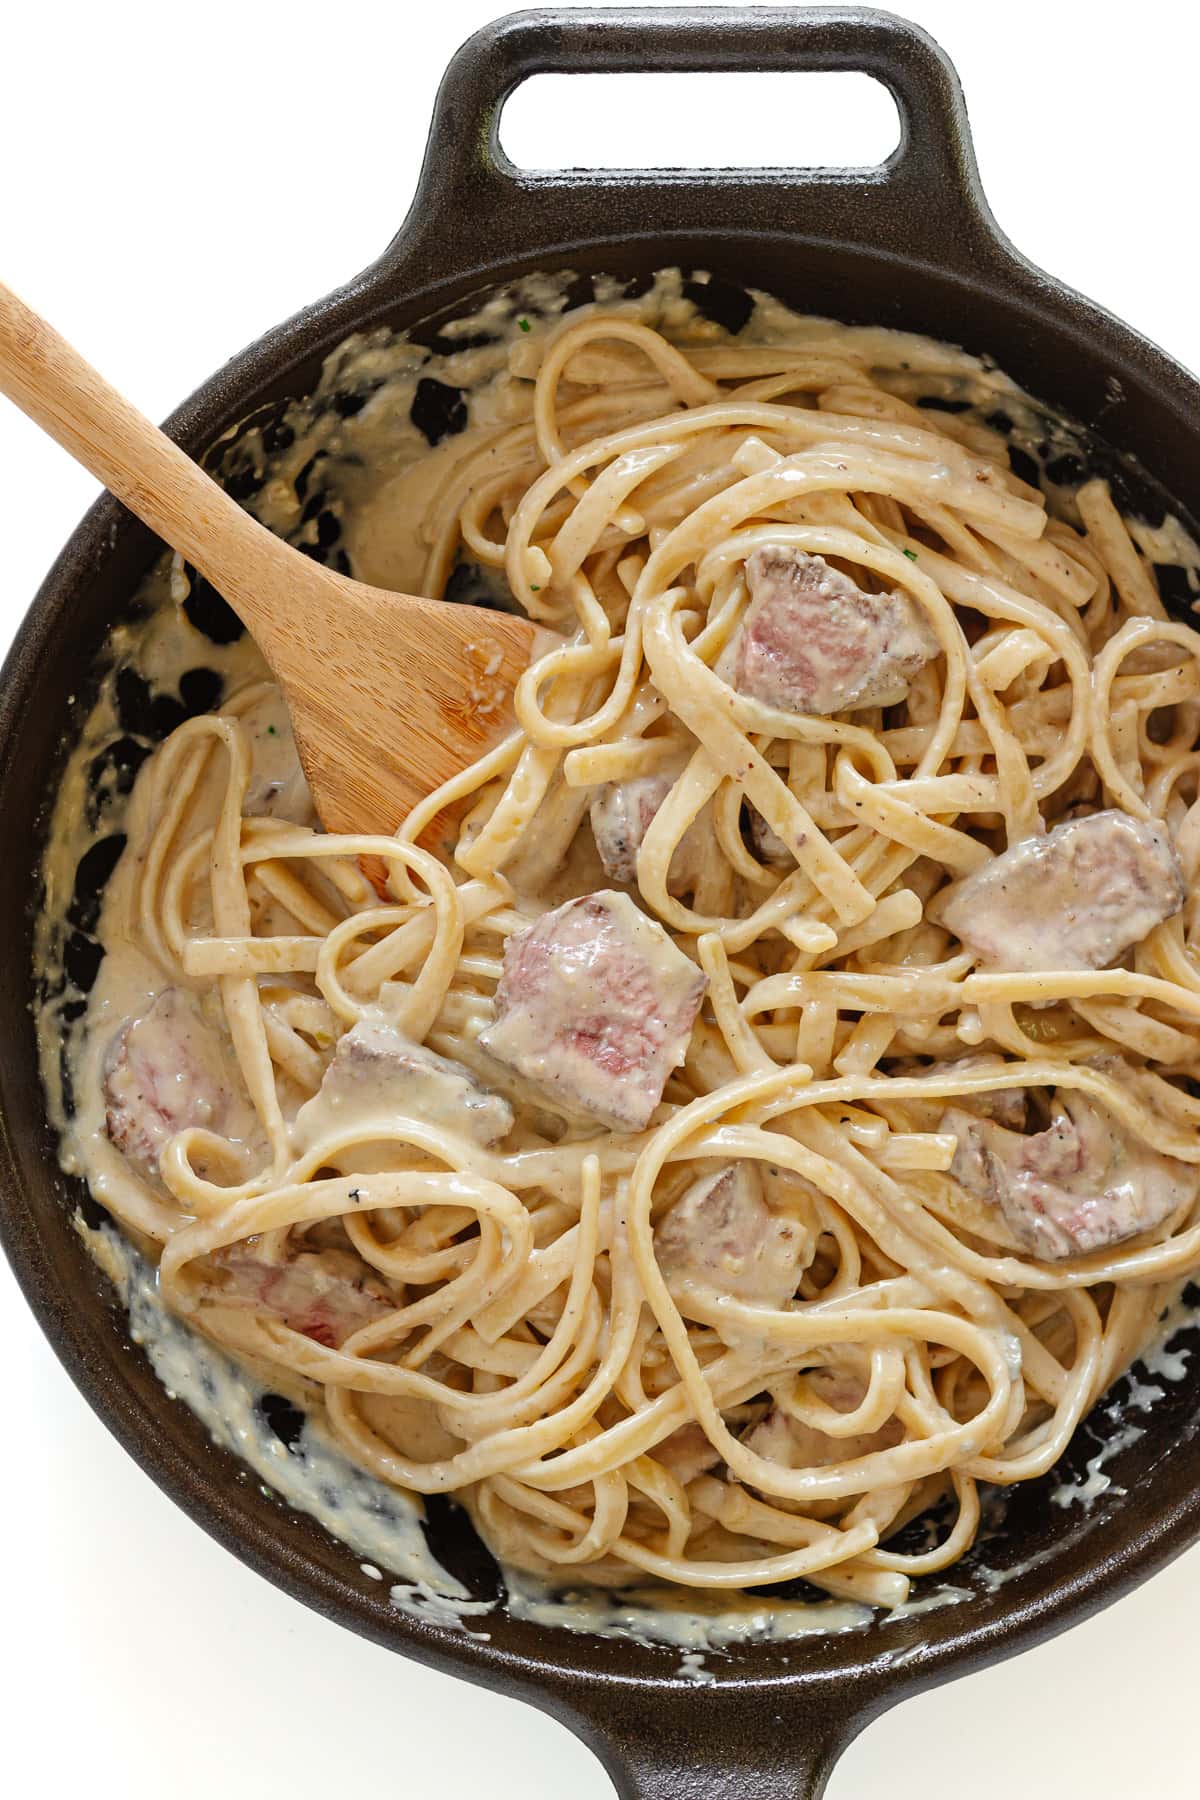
[51, 382]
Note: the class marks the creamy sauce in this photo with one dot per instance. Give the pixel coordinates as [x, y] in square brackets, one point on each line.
[347, 474]
[684, 1622]
[375, 1068]
[1097, 1482]
[371, 1519]
[376, 1521]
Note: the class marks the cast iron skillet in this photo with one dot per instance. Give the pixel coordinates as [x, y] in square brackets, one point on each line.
[911, 243]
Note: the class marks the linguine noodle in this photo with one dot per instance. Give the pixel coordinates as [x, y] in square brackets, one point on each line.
[526, 1350]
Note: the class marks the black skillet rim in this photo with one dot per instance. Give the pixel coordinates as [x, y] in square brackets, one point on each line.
[569, 1683]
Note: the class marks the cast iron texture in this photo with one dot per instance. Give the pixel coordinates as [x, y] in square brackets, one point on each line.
[911, 243]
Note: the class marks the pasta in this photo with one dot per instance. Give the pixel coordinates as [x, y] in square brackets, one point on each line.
[846, 1272]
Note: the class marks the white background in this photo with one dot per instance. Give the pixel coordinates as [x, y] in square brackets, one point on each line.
[176, 178]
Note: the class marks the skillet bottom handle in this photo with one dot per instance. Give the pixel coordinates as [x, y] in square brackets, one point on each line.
[797, 1776]
[705, 1743]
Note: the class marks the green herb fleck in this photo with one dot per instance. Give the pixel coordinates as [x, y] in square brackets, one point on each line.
[534, 589]
[524, 324]
[911, 555]
[271, 731]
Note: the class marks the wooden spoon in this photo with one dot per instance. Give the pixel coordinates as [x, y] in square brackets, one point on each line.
[389, 694]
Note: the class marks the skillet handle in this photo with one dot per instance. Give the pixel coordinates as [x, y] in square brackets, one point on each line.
[722, 1741]
[473, 207]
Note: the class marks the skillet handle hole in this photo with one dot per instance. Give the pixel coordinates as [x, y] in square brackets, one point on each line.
[798, 119]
